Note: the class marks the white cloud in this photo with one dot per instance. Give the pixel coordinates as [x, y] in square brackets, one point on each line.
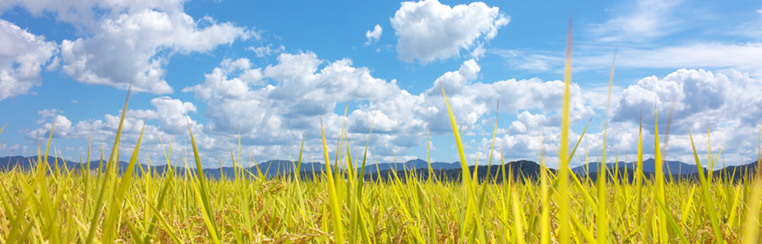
[22, 56]
[701, 100]
[129, 48]
[429, 30]
[290, 98]
[527, 120]
[172, 113]
[217, 85]
[87, 14]
[400, 119]
[514, 95]
[303, 91]
[454, 80]
[47, 113]
[264, 51]
[167, 122]
[721, 102]
[646, 20]
[337, 81]
[275, 105]
[373, 35]
[132, 41]
[692, 94]
[293, 95]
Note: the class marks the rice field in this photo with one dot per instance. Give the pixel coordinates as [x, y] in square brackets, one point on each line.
[50, 205]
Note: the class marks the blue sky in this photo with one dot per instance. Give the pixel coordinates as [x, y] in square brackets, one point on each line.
[276, 69]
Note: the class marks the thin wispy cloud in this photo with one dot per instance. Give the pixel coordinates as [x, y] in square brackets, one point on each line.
[638, 21]
[720, 56]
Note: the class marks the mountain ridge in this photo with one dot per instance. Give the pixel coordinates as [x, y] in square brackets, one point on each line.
[272, 168]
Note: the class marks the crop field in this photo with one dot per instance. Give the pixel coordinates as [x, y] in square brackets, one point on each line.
[52, 205]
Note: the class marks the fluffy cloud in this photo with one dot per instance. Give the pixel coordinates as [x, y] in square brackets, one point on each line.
[128, 48]
[429, 30]
[131, 42]
[699, 100]
[692, 94]
[217, 86]
[167, 122]
[298, 92]
[373, 35]
[288, 99]
[723, 103]
[477, 99]
[22, 56]
[173, 114]
[87, 13]
[275, 105]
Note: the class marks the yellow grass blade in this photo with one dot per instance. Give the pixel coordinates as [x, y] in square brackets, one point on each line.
[602, 215]
[659, 194]
[202, 195]
[563, 176]
[338, 226]
[705, 195]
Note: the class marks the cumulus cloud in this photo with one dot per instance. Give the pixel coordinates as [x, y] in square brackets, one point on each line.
[128, 48]
[698, 100]
[428, 30]
[167, 122]
[87, 13]
[217, 86]
[172, 114]
[301, 89]
[289, 98]
[274, 105]
[373, 35]
[690, 93]
[22, 56]
[131, 42]
[476, 99]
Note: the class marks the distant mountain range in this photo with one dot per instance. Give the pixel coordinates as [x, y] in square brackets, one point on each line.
[269, 168]
[450, 171]
[409, 165]
[517, 169]
[649, 165]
